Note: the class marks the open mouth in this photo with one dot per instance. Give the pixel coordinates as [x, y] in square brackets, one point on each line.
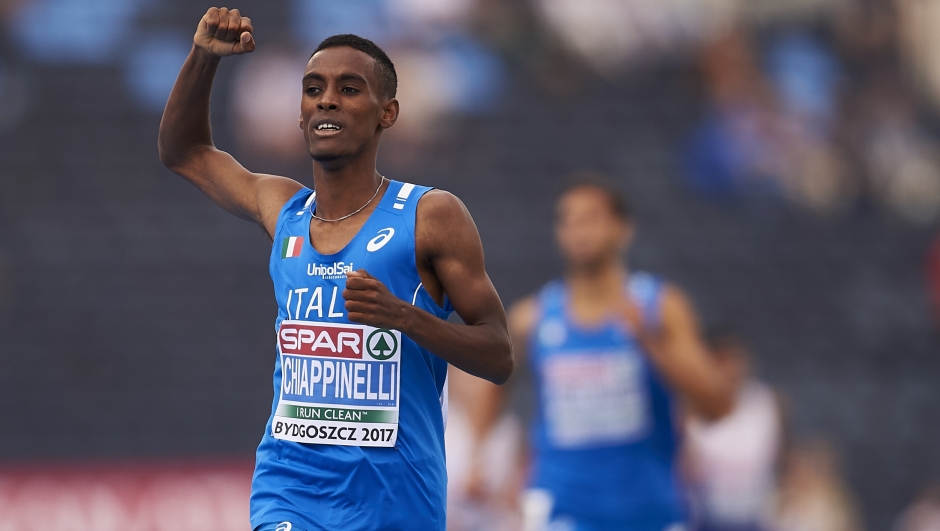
[327, 126]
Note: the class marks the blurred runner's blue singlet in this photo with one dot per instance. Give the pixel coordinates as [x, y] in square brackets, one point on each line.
[356, 435]
[604, 439]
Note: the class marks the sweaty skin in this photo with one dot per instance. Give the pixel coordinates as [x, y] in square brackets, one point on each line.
[340, 87]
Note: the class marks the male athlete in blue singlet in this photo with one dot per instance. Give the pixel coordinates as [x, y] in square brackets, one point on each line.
[366, 271]
[610, 351]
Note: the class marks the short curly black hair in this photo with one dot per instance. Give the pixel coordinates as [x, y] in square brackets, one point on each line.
[599, 181]
[384, 69]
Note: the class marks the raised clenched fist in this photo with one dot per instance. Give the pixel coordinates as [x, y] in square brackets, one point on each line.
[224, 31]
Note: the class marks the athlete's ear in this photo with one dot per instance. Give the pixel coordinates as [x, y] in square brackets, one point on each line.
[300, 121]
[389, 114]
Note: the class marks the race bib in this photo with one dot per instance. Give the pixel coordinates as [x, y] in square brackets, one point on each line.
[339, 384]
[595, 398]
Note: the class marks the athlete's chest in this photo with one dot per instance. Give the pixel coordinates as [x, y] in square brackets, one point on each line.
[339, 382]
[564, 352]
[382, 244]
[556, 335]
[309, 284]
[330, 238]
[594, 384]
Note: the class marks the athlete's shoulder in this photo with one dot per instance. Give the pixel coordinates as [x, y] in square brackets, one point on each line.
[443, 225]
[524, 315]
[522, 318]
[274, 193]
[676, 307]
[294, 197]
[645, 277]
[437, 204]
[645, 287]
[552, 292]
[279, 188]
[286, 201]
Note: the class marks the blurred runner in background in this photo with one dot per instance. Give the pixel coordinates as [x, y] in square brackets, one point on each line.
[612, 353]
[733, 462]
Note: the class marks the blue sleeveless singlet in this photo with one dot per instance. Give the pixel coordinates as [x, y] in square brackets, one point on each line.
[355, 440]
[604, 439]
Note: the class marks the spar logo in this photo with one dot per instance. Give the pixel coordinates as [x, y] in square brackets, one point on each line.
[315, 339]
[382, 344]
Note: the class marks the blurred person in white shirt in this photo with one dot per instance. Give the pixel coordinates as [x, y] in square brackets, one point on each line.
[733, 462]
[483, 442]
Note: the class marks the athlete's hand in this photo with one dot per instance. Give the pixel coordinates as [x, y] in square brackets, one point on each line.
[650, 338]
[224, 32]
[632, 316]
[369, 302]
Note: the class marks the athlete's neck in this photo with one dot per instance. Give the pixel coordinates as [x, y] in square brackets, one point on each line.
[597, 287]
[344, 189]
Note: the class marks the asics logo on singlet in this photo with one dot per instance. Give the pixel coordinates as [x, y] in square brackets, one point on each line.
[283, 526]
[379, 241]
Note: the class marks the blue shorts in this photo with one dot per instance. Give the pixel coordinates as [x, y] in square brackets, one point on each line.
[279, 526]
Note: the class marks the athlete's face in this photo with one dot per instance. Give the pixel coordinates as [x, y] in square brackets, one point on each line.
[588, 231]
[343, 109]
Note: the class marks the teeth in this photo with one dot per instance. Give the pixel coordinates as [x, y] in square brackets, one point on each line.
[331, 127]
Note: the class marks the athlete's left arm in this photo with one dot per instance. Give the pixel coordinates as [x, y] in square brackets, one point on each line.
[450, 260]
[681, 356]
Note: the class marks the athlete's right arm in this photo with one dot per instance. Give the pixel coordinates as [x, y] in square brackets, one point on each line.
[185, 139]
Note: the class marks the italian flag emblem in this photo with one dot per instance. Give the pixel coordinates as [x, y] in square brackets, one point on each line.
[292, 246]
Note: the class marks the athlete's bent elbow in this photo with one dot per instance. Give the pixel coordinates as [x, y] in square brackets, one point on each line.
[504, 369]
[168, 157]
[178, 160]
